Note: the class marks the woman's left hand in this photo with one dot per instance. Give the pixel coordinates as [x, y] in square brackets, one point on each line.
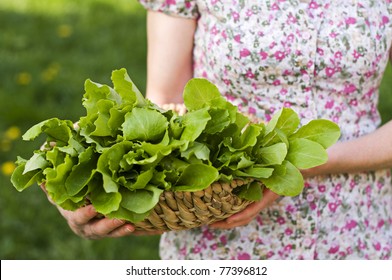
[248, 214]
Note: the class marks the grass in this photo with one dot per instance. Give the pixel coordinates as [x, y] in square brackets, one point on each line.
[48, 49]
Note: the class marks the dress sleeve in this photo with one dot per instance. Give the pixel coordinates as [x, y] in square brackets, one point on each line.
[179, 8]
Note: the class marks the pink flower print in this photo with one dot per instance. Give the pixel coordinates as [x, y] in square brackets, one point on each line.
[287, 104]
[313, 5]
[279, 55]
[320, 51]
[290, 38]
[310, 197]
[333, 35]
[354, 102]
[188, 4]
[274, 7]
[259, 220]
[249, 13]
[283, 91]
[196, 249]
[368, 190]
[243, 256]
[244, 53]
[263, 55]
[214, 30]
[380, 223]
[290, 208]
[350, 88]
[237, 38]
[308, 242]
[270, 254]
[329, 71]
[249, 74]
[377, 246]
[170, 2]
[361, 245]
[332, 206]
[236, 16]
[321, 188]
[350, 225]
[350, 20]
[356, 54]
[208, 235]
[281, 220]
[334, 249]
[276, 82]
[298, 53]
[272, 45]
[214, 246]
[329, 104]
[183, 251]
[369, 74]
[223, 240]
[288, 231]
[288, 247]
[385, 20]
[230, 97]
[291, 18]
[226, 81]
[224, 35]
[252, 110]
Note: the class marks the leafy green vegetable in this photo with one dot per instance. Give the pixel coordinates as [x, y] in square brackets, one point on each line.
[125, 151]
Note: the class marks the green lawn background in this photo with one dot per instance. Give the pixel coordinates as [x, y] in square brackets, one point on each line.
[48, 49]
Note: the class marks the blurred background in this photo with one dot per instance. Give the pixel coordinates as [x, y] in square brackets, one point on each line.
[48, 48]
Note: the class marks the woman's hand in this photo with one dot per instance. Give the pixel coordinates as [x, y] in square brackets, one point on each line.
[87, 223]
[248, 214]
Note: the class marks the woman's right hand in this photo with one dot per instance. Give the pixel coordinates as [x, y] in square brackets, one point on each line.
[88, 223]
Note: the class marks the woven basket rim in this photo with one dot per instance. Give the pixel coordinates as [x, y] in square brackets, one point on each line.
[181, 210]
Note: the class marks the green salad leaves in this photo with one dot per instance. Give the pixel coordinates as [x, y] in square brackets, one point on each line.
[126, 150]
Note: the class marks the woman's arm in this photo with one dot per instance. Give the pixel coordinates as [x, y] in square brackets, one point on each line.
[370, 152]
[169, 56]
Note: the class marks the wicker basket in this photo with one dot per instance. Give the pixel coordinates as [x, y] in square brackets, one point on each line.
[186, 210]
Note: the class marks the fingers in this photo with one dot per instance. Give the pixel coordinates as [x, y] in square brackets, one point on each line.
[248, 214]
[84, 222]
[81, 216]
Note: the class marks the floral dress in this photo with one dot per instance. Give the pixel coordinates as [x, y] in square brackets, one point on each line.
[324, 59]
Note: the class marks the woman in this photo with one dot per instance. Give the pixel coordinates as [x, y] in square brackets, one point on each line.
[324, 59]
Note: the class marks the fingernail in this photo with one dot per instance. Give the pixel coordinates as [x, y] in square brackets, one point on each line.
[130, 228]
[119, 222]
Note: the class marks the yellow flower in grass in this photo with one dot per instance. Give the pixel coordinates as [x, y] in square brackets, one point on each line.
[12, 133]
[7, 168]
[51, 72]
[64, 30]
[23, 78]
